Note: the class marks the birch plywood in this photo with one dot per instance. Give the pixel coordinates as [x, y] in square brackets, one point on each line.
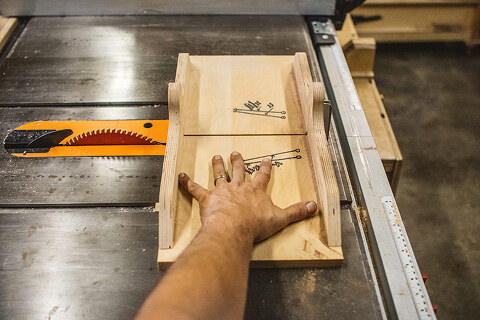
[281, 118]
[299, 244]
[7, 25]
[242, 95]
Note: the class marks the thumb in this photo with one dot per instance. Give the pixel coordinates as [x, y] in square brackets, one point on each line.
[300, 211]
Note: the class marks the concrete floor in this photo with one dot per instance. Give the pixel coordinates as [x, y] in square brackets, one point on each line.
[432, 96]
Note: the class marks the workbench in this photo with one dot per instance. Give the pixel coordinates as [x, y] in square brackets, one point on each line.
[79, 234]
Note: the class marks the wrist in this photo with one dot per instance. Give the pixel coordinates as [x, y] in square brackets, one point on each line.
[226, 229]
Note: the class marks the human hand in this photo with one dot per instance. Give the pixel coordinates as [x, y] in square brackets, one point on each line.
[243, 207]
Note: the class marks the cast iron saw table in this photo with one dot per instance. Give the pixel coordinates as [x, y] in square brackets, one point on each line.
[78, 234]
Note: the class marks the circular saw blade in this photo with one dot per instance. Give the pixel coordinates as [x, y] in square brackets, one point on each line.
[110, 137]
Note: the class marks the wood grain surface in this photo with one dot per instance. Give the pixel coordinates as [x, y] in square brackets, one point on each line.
[227, 83]
[301, 243]
[260, 106]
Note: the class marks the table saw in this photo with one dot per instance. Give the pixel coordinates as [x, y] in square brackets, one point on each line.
[79, 233]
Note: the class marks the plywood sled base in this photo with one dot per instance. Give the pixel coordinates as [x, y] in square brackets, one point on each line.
[218, 105]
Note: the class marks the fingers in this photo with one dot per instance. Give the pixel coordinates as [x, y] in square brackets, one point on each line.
[263, 176]
[300, 211]
[193, 188]
[238, 167]
[219, 173]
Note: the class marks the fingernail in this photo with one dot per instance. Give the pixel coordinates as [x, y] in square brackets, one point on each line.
[234, 153]
[181, 175]
[311, 207]
[217, 157]
[266, 160]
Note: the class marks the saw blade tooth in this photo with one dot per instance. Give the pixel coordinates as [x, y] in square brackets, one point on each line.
[110, 136]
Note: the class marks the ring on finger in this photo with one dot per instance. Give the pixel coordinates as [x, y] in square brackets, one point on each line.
[221, 176]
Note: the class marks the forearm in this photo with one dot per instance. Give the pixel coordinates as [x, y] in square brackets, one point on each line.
[208, 280]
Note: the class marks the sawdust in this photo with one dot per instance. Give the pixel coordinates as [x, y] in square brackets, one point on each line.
[310, 281]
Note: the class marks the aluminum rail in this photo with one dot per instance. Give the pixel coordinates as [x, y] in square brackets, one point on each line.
[403, 290]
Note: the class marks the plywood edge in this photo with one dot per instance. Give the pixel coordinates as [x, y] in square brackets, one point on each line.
[166, 206]
[334, 259]
[7, 25]
[279, 264]
[311, 96]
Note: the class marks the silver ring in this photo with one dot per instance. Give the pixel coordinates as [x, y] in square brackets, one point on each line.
[219, 177]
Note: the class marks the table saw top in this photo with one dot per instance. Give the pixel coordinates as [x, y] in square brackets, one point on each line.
[90, 250]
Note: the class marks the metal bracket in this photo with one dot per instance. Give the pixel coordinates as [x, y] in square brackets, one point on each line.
[323, 32]
[327, 116]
